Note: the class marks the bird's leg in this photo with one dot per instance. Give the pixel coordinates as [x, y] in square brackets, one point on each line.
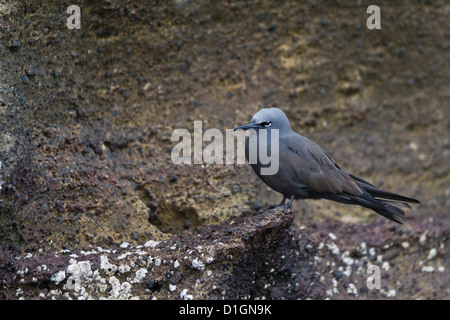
[282, 203]
[288, 206]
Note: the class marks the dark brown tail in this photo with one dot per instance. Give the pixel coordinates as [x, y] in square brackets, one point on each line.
[382, 202]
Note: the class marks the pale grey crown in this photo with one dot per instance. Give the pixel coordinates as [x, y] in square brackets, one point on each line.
[276, 117]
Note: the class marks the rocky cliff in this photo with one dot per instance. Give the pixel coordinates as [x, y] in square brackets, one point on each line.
[87, 181]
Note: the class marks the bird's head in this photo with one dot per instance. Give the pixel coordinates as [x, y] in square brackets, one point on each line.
[270, 118]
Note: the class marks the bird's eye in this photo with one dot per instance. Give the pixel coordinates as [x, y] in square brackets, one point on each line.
[267, 124]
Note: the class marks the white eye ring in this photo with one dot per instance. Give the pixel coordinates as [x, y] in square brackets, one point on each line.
[268, 124]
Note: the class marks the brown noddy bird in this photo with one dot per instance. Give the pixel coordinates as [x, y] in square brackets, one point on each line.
[306, 171]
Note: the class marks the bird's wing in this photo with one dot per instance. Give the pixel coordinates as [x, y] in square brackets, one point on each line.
[314, 168]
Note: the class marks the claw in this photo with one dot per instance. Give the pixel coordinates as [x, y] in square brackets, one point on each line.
[288, 206]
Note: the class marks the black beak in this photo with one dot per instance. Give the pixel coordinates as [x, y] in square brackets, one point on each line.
[247, 126]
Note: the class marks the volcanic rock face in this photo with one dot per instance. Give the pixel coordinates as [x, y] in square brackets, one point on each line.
[253, 256]
[87, 181]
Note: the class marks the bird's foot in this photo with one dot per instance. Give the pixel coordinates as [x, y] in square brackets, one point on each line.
[282, 204]
[288, 206]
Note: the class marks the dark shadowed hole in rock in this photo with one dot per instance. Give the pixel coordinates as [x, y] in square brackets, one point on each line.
[44, 284]
[167, 217]
[153, 285]
[172, 219]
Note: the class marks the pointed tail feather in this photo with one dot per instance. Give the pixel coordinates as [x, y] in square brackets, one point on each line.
[382, 194]
[386, 195]
[386, 210]
[395, 203]
[382, 202]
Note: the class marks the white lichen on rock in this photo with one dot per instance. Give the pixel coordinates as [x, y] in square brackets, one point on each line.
[185, 296]
[198, 264]
[151, 243]
[432, 254]
[427, 269]
[140, 275]
[333, 248]
[106, 266]
[58, 277]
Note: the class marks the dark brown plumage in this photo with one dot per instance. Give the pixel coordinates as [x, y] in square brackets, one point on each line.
[306, 171]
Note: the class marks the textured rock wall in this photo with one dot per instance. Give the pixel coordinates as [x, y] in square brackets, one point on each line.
[86, 118]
